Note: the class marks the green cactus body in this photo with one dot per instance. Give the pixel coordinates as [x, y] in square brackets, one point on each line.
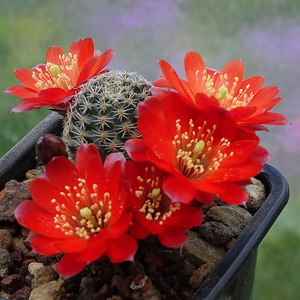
[104, 111]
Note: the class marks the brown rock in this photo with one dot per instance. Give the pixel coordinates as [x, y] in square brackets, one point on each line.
[216, 233]
[34, 266]
[22, 294]
[18, 243]
[197, 251]
[17, 256]
[43, 275]
[232, 216]
[257, 195]
[151, 294]
[183, 271]
[48, 291]
[5, 262]
[15, 193]
[122, 285]
[87, 288]
[200, 274]
[12, 283]
[104, 292]
[6, 240]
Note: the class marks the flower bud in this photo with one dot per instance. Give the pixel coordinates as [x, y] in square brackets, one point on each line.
[49, 146]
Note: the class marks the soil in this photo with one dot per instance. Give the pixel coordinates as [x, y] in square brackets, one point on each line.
[157, 273]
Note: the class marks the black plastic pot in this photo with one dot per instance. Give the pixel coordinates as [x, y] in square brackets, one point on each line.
[19, 159]
[233, 278]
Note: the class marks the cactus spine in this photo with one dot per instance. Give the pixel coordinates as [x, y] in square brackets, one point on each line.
[104, 111]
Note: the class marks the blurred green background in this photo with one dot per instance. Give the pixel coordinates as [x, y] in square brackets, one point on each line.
[264, 34]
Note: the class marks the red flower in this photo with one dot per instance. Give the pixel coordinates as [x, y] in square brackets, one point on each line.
[54, 83]
[79, 210]
[154, 211]
[204, 151]
[245, 98]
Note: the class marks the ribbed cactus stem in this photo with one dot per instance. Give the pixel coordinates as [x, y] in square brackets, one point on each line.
[104, 111]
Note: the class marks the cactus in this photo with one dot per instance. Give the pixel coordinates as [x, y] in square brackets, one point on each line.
[104, 112]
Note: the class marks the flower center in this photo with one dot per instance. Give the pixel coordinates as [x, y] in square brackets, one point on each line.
[62, 76]
[156, 205]
[198, 153]
[228, 99]
[82, 213]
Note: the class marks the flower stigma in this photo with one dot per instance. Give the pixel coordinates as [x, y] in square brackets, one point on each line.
[55, 70]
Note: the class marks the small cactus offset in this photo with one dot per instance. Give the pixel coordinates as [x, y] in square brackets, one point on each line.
[104, 111]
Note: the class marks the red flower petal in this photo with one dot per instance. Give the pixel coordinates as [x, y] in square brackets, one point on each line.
[235, 73]
[26, 107]
[89, 163]
[84, 49]
[122, 248]
[138, 230]
[21, 91]
[69, 266]
[25, 76]
[136, 149]
[102, 61]
[234, 194]
[32, 216]
[43, 191]
[120, 227]
[192, 217]
[194, 66]
[50, 246]
[97, 247]
[52, 96]
[53, 53]
[179, 189]
[172, 237]
[178, 84]
[62, 172]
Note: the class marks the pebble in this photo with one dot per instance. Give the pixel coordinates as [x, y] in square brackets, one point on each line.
[5, 262]
[18, 243]
[33, 267]
[43, 275]
[87, 288]
[12, 283]
[122, 285]
[197, 251]
[6, 240]
[135, 268]
[17, 256]
[22, 294]
[233, 216]
[257, 195]
[200, 274]
[48, 291]
[104, 292]
[216, 233]
[15, 193]
[183, 271]
[151, 294]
